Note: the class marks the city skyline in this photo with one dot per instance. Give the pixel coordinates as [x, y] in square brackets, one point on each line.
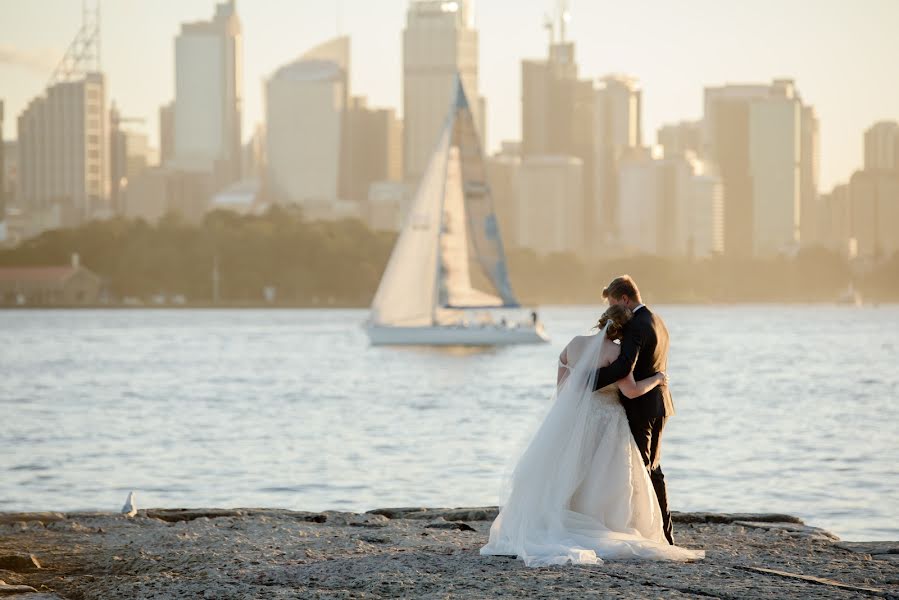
[849, 87]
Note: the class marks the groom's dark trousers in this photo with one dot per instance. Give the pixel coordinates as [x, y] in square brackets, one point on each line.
[644, 350]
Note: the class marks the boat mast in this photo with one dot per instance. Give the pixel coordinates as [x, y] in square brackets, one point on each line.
[450, 123]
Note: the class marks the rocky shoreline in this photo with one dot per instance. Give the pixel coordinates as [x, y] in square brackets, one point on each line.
[409, 553]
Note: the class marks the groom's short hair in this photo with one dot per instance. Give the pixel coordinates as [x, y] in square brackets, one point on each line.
[620, 286]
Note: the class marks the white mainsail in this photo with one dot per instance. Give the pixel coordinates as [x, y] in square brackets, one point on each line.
[407, 292]
[450, 222]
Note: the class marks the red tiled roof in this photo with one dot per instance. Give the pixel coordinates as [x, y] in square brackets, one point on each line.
[36, 273]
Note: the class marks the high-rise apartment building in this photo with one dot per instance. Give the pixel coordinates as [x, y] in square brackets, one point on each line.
[874, 208]
[833, 223]
[617, 126]
[166, 133]
[556, 106]
[10, 171]
[550, 202]
[63, 147]
[882, 146]
[305, 102]
[439, 41]
[2, 179]
[764, 141]
[809, 169]
[557, 114]
[502, 173]
[208, 96]
[374, 148]
[669, 206]
[129, 154]
[679, 138]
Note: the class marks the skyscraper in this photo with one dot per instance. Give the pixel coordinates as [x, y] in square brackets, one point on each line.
[809, 169]
[679, 138]
[617, 126]
[882, 146]
[438, 42]
[550, 202]
[502, 173]
[834, 220]
[305, 103]
[64, 152]
[764, 142]
[208, 96]
[557, 110]
[556, 106]
[374, 148]
[669, 206]
[128, 156]
[166, 133]
[2, 178]
[874, 206]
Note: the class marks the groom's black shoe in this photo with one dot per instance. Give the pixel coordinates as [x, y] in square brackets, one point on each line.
[658, 483]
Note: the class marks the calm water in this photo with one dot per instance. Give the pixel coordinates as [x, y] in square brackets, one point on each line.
[792, 409]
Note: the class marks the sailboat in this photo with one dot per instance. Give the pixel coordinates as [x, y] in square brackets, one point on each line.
[426, 295]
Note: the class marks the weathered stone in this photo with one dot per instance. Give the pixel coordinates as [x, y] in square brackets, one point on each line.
[818, 580]
[274, 553]
[9, 590]
[368, 520]
[892, 558]
[374, 539]
[173, 515]
[870, 547]
[19, 563]
[471, 514]
[69, 525]
[703, 517]
[442, 524]
[43, 517]
[310, 517]
[485, 513]
[399, 513]
[804, 530]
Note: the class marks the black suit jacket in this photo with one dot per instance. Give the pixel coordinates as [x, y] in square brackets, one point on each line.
[644, 350]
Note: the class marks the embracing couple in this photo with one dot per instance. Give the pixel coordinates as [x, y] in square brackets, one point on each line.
[589, 486]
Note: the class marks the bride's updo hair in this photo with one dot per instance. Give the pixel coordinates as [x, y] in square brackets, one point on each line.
[617, 317]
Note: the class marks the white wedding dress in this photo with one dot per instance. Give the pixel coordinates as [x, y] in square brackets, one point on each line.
[580, 493]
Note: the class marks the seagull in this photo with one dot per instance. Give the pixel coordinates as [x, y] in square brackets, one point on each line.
[130, 508]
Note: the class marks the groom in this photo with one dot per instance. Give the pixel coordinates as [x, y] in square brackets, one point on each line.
[644, 350]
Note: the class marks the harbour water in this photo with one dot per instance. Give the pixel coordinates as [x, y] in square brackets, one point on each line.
[790, 409]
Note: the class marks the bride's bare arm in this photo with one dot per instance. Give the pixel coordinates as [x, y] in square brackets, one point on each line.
[635, 389]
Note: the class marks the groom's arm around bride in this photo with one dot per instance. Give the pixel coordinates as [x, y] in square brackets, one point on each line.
[644, 351]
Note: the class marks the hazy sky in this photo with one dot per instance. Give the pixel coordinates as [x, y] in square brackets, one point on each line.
[842, 54]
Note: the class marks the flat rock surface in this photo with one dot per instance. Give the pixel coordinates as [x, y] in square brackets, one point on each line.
[398, 553]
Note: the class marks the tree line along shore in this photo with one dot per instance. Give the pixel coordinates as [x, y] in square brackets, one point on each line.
[280, 259]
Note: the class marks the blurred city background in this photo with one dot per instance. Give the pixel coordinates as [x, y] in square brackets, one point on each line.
[153, 162]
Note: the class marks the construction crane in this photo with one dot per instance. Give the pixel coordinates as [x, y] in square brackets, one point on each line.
[557, 23]
[83, 54]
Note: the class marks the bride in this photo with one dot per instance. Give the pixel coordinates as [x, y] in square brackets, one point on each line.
[580, 492]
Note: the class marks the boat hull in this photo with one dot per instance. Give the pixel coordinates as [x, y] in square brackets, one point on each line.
[488, 335]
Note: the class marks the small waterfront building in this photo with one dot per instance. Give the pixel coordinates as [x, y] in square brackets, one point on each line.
[71, 285]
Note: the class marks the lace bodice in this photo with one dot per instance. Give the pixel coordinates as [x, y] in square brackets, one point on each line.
[608, 394]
